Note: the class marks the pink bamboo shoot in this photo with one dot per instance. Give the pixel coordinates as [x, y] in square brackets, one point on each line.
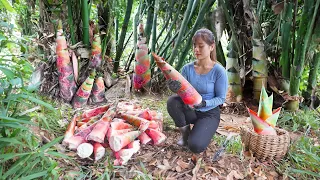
[156, 136]
[143, 124]
[99, 131]
[75, 66]
[98, 91]
[120, 125]
[67, 83]
[95, 112]
[85, 150]
[96, 50]
[142, 73]
[145, 114]
[98, 151]
[187, 92]
[84, 91]
[113, 132]
[71, 128]
[117, 142]
[124, 155]
[79, 138]
[144, 138]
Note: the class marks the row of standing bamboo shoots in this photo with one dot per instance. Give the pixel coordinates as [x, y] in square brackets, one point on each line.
[68, 72]
[122, 128]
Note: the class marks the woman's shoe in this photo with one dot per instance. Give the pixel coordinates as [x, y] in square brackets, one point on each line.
[185, 131]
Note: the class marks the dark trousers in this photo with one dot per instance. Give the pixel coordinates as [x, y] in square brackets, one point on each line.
[205, 123]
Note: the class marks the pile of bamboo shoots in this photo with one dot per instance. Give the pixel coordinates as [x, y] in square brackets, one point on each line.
[120, 128]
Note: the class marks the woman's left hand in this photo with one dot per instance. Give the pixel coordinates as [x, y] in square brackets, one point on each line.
[202, 104]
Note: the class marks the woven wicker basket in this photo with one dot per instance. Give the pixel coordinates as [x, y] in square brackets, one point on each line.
[266, 147]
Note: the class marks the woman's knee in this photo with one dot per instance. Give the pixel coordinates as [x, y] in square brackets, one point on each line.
[173, 101]
[196, 146]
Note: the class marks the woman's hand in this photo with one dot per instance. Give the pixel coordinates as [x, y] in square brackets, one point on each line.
[202, 104]
[173, 85]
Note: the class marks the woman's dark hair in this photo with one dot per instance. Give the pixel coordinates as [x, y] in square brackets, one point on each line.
[207, 36]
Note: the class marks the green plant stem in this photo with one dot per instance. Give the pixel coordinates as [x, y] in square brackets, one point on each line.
[85, 22]
[169, 32]
[154, 31]
[304, 33]
[181, 32]
[70, 22]
[285, 42]
[122, 36]
[204, 8]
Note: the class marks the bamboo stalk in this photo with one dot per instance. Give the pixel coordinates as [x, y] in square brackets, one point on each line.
[135, 25]
[285, 40]
[232, 66]
[70, 22]
[154, 31]
[314, 63]
[181, 32]
[259, 61]
[148, 26]
[85, 22]
[169, 31]
[122, 35]
[204, 8]
[167, 20]
[304, 34]
[220, 55]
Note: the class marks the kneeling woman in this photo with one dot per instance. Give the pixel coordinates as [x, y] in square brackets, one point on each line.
[209, 78]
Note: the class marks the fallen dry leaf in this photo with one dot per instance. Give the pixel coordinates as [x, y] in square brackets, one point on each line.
[153, 162]
[214, 170]
[234, 174]
[178, 169]
[166, 162]
[146, 157]
[196, 169]
[174, 159]
[183, 164]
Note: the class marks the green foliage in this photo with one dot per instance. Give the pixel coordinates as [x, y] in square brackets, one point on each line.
[302, 120]
[302, 161]
[234, 146]
[22, 153]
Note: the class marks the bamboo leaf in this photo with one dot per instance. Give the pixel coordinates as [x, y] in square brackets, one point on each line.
[35, 100]
[13, 125]
[15, 120]
[11, 140]
[8, 156]
[7, 72]
[305, 172]
[52, 143]
[16, 166]
[27, 168]
[57, 154]
[7, 5]
[36, 175]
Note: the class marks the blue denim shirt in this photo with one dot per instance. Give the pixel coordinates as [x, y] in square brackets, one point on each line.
[212, 86]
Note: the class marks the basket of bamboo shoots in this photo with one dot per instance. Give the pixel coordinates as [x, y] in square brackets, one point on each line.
[265, 141]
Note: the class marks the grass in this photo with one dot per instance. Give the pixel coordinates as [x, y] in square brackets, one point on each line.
[234, 145]
[303, 120]
[302, 161]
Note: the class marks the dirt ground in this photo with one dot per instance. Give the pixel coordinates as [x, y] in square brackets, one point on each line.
[170, 161]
